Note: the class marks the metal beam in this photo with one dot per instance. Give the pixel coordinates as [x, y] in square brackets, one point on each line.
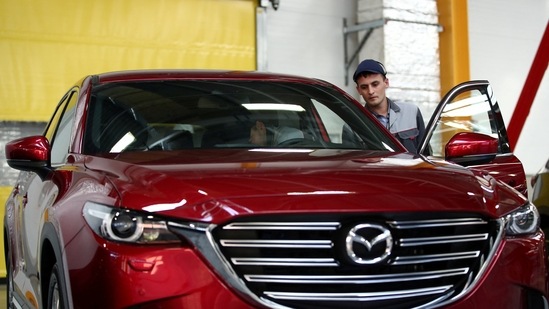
[369, 28]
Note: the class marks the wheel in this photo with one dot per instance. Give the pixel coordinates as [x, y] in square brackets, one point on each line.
[55, 294]
[546, 232]
[544, 225]
[9, 277]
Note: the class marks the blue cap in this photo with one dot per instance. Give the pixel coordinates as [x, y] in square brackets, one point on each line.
[369, 65]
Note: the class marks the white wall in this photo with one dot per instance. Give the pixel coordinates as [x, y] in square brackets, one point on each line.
[504, 36]
[305, 37]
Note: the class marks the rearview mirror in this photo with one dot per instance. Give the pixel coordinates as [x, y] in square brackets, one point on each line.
[29, 154]
[469, 148]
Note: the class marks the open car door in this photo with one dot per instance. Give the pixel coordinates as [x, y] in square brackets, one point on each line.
[467, 128]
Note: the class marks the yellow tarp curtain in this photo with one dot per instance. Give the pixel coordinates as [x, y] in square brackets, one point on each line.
[45, 46]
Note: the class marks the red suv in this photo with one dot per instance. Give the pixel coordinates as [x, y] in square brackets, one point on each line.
[149, 189]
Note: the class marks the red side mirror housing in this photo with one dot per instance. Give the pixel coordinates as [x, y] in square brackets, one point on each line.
[469, 148]
[29, 154]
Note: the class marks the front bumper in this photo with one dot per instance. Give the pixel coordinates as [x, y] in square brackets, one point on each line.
[123, 276]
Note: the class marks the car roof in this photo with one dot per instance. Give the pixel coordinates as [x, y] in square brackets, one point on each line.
[167, 74]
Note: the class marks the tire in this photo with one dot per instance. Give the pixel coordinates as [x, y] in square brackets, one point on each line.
[55, 292]
[546, 232]
[9, 277]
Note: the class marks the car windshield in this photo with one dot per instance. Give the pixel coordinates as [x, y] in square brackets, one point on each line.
[198, 114]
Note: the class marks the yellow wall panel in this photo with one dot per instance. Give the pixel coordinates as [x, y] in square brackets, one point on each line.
[45, 46]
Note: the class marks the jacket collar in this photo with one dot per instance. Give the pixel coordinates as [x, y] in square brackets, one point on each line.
[393, 106]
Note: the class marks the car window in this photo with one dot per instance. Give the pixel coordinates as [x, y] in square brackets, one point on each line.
[60, 126]
[334, 124]
[61, 140]
[175, 115]
[470, 111]
[54, 121]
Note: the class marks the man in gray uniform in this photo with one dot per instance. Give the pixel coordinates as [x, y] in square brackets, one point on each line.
[403, 120]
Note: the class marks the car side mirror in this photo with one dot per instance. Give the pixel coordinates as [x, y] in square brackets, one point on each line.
[469, 148]
[29, 154]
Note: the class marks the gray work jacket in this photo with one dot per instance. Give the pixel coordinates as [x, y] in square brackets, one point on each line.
[406, 124]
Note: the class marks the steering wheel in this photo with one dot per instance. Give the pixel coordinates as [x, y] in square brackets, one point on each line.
[291, 142]
[164, 141]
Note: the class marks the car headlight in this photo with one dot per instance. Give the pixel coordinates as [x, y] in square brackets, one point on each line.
[524, 220]
[127, 226]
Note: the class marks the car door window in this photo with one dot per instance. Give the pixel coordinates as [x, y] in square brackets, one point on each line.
[63, 122]
[472, 109]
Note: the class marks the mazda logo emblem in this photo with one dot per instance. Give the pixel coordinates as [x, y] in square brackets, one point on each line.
[368, 243]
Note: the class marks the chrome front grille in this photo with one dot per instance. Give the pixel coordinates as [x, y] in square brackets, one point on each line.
[306, 262]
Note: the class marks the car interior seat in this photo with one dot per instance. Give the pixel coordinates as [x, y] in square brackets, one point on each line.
[177, 139]
[225, 122]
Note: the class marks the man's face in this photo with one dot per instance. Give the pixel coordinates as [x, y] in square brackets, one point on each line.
[372, 88]
[258, 134]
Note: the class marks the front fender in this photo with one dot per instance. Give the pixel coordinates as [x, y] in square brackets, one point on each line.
[52, 253]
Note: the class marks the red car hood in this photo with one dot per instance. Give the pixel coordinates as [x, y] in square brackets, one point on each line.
[213, 185]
